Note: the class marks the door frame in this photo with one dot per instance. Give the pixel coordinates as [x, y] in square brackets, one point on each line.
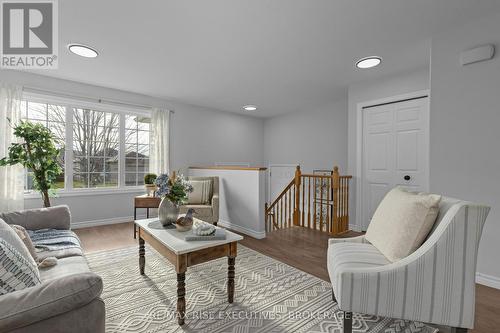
[294, 165]
[359, 143]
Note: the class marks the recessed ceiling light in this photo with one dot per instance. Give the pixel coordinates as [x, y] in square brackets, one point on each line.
[368, 62]
[249, 108]
[83, 50]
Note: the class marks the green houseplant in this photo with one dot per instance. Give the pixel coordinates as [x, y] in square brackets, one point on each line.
[36, 152]
[149, 183]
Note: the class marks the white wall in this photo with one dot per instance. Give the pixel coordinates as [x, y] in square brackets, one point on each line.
[370, 91]
[315, 139]
[242, 196]
[199, 136]
[465, 129]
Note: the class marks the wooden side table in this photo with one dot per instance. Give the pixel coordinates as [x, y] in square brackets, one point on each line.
[143, 201]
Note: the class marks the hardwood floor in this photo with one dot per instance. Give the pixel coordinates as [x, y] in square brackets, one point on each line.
[298, 247]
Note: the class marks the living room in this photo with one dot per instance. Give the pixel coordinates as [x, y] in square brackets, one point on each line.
[290, 128]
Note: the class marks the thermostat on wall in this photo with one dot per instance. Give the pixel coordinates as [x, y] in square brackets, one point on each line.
[481, 53]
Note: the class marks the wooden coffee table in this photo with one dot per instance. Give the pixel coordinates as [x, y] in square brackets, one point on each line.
[182, 254]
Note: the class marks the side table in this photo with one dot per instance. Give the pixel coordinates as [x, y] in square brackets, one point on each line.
[144, 201]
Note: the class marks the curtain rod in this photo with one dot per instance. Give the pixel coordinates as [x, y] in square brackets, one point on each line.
[88, 99]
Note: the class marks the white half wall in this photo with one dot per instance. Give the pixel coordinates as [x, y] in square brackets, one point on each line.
[370, 91]
[199, 136]
[242, 196]
[315, 139]
[464, 131]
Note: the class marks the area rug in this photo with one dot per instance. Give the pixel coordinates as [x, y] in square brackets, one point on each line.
[269, 297]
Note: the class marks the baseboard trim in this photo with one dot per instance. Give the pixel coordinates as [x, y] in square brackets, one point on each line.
[243, 230]
[96, 223]
[488, 280]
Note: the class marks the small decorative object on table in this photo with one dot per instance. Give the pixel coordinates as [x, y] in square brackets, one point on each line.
[174, 191]
[149, 184]
[185, 223]
[203, 231]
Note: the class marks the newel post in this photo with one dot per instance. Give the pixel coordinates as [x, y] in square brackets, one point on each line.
[335, 186]
[296, 210]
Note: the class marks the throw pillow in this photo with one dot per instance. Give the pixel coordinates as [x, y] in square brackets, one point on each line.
[23, 234]
[8, 234]
[16, 272]
[401, 222]
[202, 192]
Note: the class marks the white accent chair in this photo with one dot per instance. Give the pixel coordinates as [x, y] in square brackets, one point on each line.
[435, 284]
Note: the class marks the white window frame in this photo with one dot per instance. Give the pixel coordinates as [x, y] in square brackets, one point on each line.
[69, 104]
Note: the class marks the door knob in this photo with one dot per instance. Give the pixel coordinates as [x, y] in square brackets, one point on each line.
[407, 177]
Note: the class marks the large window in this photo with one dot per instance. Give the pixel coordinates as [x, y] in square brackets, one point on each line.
[97, 148]
[137, 132]
[54, 117]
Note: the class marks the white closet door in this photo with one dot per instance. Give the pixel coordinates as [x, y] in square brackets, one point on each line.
[395, 151]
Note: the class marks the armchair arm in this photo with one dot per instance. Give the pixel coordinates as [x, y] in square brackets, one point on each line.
[51, 298]
[215, 206]
[57, 217]
[357, 239]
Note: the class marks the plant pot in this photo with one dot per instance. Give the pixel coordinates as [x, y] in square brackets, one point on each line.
[168, 212]
[150, 189]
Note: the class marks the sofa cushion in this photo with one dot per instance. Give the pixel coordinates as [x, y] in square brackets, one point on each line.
[16, 272]
[401, 222]
[202, 192]
[57, 217]
[343, 257]
[65, 266]
[49, 299]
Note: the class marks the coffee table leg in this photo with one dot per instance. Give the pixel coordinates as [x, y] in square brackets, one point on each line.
[135, 218]
[181, 301]
[142, 257]
[230, 279]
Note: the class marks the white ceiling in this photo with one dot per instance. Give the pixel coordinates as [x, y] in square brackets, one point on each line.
[282, 55]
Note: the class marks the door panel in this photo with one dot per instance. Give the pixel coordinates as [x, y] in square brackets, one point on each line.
[395, 151]
[407, 150]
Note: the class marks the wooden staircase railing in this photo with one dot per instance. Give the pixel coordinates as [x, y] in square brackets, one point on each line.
[312, 201]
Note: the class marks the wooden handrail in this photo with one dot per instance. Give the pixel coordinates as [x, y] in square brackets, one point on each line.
[292, 182]
[311, 175]
[313, 201]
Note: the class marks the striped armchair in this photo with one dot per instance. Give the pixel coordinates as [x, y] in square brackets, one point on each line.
[435, 284]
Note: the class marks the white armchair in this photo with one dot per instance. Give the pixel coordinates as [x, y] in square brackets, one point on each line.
[435, 284]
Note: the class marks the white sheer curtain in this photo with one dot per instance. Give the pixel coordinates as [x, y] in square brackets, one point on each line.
[11, 177]
[159, 161]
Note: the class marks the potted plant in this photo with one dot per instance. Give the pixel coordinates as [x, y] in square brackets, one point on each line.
[174, 191]
[38, 153]
[149, 183]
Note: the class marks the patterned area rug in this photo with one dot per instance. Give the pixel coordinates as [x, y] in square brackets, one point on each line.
[270, 297]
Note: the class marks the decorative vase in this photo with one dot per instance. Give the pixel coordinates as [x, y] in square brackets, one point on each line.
[168, 212]
[150, 189]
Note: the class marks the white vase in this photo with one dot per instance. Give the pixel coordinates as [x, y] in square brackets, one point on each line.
[168, 212]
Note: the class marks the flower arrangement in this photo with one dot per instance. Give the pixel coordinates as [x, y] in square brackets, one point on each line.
[174, 188]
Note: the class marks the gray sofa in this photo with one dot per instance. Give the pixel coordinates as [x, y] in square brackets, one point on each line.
[210, 212]
[68, 299]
